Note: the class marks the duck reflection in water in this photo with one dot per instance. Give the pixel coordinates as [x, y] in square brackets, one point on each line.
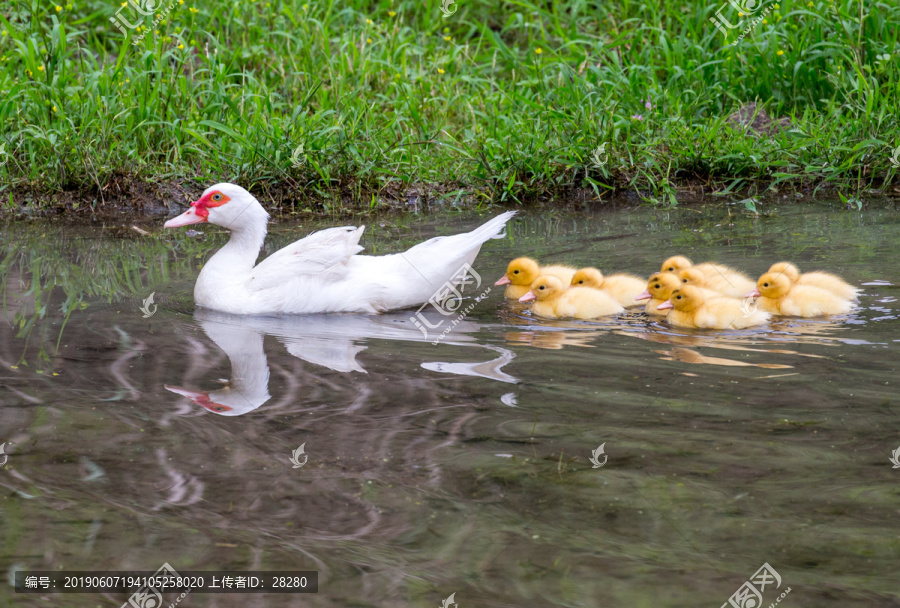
[330, 341]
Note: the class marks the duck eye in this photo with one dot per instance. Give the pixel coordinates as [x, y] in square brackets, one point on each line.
[217, 197]
[581, 281]
[671, 268]
[765, 284]
[515, 272]
[677, 297]
[542, 288]
[684, 280]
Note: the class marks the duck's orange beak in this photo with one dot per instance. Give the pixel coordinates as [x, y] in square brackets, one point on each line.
[754, 293]
[528, 297]
[665, 305]
[185, 219]
[643, 296]
[504, 280]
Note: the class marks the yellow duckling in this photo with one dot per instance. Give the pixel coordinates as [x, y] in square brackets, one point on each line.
[621, 287]
[777, 295]
[733, 284]
[679, 262]
[552, 300]
[522, 272]
[823, 280]
[692, 308]
[659, 287]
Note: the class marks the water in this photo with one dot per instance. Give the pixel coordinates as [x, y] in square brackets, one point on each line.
[464, 466]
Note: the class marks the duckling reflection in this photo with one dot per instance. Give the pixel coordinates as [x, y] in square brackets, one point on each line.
[330, 341]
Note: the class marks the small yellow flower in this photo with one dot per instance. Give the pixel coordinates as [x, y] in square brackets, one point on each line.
[392, 14]
[369, 40]
[58, 8]
[369, 21]
[4, 33]
[124, 4]
[194, 10]
[765, 21]
[128, 80]
[777, 6]
[538, 50]
[181, 47]
[397, 76]
[448, 38]
[780, 53]
[55, 374]
[440, 71]
[156, 32]
[180, 2]
[740, 14]
[40, 68]
[809, 4]
[193, 42]
[54, 108]
[305, 7]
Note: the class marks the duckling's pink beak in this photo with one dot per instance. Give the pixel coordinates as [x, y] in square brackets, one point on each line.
[528, 297]
[754, 293]
[504, 280]
[643, 296]
[665, 305]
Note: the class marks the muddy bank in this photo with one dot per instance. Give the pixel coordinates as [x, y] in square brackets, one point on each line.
[129, 198]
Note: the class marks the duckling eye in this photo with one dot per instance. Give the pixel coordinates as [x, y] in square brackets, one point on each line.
[656, 286]
[217, 197]
[671, 268]
[684, 280]
[765, 284]
[542, 288]
[515, 272]
[581, 281]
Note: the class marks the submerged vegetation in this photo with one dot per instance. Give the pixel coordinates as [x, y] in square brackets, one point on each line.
[317, 102]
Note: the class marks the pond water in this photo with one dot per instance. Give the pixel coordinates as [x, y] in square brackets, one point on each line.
[463, 466]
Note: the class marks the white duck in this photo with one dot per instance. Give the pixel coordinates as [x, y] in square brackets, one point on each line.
[320, 273]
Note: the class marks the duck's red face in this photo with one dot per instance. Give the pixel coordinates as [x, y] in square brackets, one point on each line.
[201, 398]
[199, 211]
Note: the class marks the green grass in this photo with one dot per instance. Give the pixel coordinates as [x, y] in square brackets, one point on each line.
[496, 103]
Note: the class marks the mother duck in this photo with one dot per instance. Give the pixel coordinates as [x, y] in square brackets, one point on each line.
[320, 273]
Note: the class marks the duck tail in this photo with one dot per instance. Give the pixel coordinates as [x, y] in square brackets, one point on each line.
[492, 229]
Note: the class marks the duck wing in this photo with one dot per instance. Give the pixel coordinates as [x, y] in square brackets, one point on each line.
[321, 253]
